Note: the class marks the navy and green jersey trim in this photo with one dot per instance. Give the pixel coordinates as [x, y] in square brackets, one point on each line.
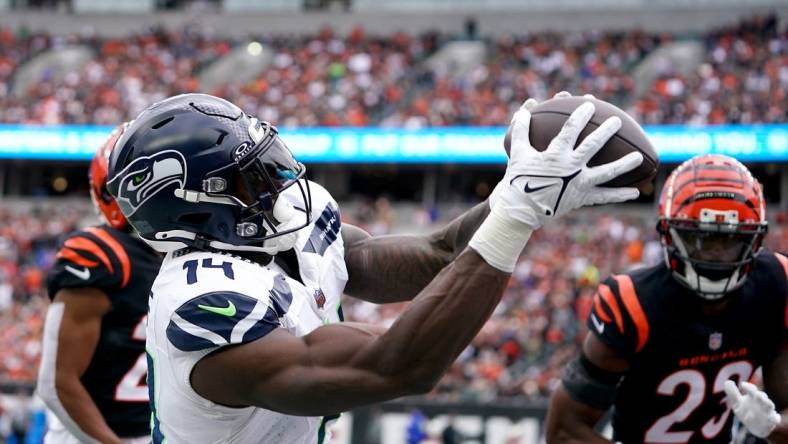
[325, 232]
[222, 318]
[156, 436]
[281, 295]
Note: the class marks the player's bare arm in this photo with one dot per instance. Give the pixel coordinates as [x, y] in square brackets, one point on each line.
[775, 378]
[585, 394]
[381, 261]
[339, 367]
[335, 368]
[80, 328]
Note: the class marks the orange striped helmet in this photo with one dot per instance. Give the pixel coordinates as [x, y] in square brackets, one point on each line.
[102, 200]
[712, 220]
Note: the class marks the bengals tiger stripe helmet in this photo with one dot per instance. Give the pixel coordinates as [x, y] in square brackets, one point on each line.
[712, 221]
[103, 201]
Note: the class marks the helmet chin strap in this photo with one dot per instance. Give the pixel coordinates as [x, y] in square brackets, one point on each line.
[289, 218]
[283, 211]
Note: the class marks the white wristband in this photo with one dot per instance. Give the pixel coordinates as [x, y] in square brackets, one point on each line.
[500, 240]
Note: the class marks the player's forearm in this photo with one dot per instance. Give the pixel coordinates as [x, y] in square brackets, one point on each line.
[68, 343]
[339, 367]
[570, 422]
[82, 411]
[395, 268]
[438, 325]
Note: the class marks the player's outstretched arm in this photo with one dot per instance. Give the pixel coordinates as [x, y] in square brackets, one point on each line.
[586, 392]
[379, 262]
[376, 265]
[338, 367]
[71, 332]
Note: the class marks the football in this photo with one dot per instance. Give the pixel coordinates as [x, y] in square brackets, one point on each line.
[548, 117]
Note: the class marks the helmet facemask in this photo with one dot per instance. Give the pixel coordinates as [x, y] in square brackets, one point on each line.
[711, 258]
[270, 189]
[712, 224]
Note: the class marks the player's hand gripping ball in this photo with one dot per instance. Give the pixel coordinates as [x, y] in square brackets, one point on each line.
[548, 117]
[540, 185]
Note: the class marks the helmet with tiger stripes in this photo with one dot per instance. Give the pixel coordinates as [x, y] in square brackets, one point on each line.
[712, 221]
[105, 204]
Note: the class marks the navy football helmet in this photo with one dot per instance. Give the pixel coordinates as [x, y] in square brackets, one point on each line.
[195, 171]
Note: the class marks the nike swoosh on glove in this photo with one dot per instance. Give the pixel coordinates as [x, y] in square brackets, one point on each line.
[540, 186]
[753, 408]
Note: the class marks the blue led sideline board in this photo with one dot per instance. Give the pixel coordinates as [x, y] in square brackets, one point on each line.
[477, 145]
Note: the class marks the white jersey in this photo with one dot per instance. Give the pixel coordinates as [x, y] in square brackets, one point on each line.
[202, 301]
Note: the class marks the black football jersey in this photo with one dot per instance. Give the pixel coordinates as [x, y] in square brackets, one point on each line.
[680, 358]
[123, 267]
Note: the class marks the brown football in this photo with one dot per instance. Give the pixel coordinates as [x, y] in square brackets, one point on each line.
[548, 117]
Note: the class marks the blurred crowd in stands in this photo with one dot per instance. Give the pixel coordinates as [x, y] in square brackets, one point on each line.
[358, 79]
[743, 79]
[28, 240]
[520, 351]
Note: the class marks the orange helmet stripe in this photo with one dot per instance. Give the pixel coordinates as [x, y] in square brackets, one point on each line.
[97, 175]
[713, 182]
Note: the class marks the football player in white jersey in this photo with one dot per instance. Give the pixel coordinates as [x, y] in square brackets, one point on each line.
[243, 340]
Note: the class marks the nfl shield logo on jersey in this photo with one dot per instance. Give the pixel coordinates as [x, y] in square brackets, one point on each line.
[320, 298]
[715, 341]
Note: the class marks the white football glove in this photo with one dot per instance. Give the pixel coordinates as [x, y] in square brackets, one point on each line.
[752, 407]
[539, 186]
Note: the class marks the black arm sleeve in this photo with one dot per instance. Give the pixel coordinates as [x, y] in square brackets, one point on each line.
[589, 384]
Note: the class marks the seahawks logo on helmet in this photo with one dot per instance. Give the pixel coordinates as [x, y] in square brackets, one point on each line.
[145, 177]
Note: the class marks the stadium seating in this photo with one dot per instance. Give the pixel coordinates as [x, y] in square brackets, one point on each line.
[355, 80]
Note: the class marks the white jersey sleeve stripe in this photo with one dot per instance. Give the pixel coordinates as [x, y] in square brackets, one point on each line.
[248, 322]
[198, 331]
